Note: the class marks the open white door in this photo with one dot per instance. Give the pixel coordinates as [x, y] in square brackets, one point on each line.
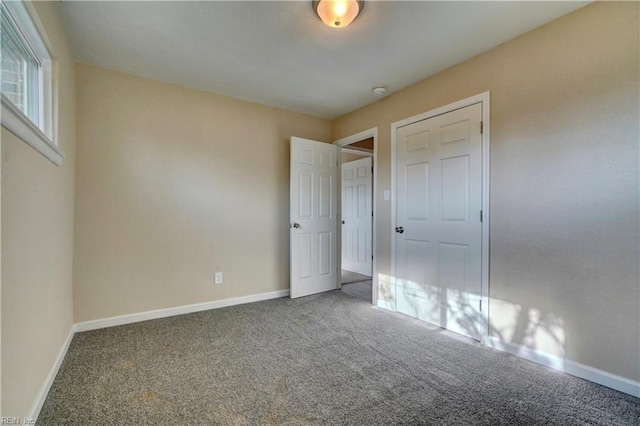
[357, 216]
[313, 217]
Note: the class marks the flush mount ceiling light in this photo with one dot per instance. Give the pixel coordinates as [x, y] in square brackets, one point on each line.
[338, 13]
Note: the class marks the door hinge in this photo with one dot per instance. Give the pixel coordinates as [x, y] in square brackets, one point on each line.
[372, 213]
[481, 127]
[480, 305]
[480, 215]
[371, 169]
[371, 257]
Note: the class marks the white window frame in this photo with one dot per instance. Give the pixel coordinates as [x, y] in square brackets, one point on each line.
[42, 136]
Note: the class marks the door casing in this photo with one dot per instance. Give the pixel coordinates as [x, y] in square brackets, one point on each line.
[484, 100]
[365, 134]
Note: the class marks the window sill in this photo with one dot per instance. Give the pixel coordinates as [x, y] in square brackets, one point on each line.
[18, 124]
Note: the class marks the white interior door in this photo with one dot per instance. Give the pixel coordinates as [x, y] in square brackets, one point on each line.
[313, 217]
[357, 216]
[438, 222]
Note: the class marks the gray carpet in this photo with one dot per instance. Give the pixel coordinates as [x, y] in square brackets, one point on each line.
[325, 359]
[361, 290]
[348, 277]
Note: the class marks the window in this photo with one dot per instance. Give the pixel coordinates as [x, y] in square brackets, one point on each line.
[27, 79]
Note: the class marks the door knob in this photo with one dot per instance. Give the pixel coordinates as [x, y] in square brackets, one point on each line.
[399, 229]
[294, 225]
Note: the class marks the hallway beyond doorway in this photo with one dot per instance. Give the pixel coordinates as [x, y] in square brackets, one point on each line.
[357, 285]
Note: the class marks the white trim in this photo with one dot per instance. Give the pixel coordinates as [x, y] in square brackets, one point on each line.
[484, 100]
[481, 98]
[392, 197]
[359, 137]
[29, 25]
[486, 211]
[26, 11]
[392, 305]
[574, 368]
[18, 124]
[46, 386]
[365, 134]
[177, 310]
[364, 152]
[42, 136]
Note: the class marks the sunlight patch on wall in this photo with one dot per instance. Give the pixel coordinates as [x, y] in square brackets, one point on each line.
[386, 292]
[448, 305]
[510, 324]
[527, 327]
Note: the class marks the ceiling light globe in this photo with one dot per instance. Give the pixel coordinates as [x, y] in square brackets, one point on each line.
[338, 13]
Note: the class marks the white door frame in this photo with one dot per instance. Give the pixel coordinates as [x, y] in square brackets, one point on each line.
[365, 134]
[484, 99]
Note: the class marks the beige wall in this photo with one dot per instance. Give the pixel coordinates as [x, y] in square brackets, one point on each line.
[564, 182]
[174, 184]
[37, 243]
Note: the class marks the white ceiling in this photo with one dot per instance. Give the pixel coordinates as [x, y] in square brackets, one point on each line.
[281, 54]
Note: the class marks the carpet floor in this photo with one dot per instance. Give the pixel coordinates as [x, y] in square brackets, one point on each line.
[319, 360]
[361, 290]
[348, 277]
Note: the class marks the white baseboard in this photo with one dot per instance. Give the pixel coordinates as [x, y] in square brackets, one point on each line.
[178, 310]
[44, 389]
[574, 368]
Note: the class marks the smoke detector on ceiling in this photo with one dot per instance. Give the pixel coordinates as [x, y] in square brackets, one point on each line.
[380, 89]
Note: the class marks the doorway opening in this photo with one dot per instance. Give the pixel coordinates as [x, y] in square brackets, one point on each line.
[357, 215]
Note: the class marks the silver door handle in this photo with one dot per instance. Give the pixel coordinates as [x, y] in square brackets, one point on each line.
[399, 229]
[294, 225]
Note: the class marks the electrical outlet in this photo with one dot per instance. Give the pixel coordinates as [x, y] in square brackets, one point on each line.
[218, 278]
